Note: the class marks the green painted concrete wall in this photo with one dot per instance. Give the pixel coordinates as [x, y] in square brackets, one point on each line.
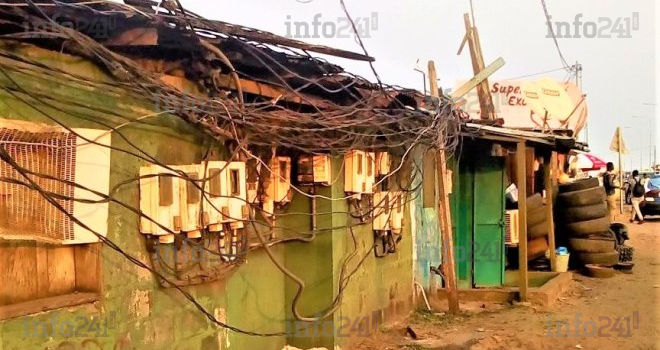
[256, 297]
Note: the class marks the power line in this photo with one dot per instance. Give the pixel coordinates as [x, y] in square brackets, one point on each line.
[534, 74]
[554, 37]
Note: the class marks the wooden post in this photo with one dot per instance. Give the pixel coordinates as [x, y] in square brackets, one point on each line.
[478, 65]
[444, 212]
[531, 157]
[550, 168]
[521, 170]
[619, 141]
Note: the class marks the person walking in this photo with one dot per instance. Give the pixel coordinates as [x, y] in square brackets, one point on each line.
[638, 191]
[609, 182]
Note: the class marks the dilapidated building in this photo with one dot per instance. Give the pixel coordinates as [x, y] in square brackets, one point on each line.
[172, 182]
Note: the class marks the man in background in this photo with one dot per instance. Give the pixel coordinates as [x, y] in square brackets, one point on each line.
[638, 191]
[609, 182]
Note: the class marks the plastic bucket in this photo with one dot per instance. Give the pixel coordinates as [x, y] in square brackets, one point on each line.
[561, 264]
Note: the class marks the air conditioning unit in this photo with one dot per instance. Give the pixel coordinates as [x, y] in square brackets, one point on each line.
[238, 208]
[159, 201]
[398, 201]
[216, 194]
[382, 163]
[280, 180]
[382, 212]
[190, 199]
[314, 169]
[511, 227]
[61, 154]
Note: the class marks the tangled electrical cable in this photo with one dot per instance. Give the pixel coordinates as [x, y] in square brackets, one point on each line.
[336, 112]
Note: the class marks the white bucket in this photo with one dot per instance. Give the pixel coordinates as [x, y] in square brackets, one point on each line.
[561, 263]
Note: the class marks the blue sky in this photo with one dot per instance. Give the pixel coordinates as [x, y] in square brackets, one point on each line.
[619, 74]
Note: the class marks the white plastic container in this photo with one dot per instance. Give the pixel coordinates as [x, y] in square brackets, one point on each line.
[561, 263]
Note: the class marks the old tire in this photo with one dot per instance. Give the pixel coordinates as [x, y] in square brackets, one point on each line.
[590, 245]
[534, 202]
[625, 253]
[596, 271]
[536, 216]
[625, 267]
[589, 227]
[590, 196]
[538, 230]
[590, 212]
[607, 259]
[579, 185]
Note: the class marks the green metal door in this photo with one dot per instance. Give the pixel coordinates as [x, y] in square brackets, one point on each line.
[462, 200]
[488, 249]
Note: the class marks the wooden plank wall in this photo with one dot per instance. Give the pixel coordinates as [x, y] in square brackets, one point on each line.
[31, 270]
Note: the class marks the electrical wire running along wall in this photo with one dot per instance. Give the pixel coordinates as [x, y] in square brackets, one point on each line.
[23, 211]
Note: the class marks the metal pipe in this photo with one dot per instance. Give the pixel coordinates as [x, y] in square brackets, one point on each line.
[428, 306]
[312, 191]
[424, 75]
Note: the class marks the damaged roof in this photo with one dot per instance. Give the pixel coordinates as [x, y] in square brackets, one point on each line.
[167, 39]
[256, 85]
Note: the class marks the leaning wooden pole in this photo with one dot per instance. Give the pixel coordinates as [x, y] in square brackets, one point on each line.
[521, 175]
[478, 65]
[444, 211]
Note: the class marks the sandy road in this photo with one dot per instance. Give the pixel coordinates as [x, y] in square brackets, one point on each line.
[617, 313]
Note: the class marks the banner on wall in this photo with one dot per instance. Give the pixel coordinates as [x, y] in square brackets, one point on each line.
[540, 104]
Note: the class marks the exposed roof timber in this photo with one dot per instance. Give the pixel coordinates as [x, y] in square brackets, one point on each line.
[485, 131]
[276, 93]
[255, 88]
[253, 34]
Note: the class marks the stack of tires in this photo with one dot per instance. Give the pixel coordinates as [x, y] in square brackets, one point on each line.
[583, 223]
[537, 227]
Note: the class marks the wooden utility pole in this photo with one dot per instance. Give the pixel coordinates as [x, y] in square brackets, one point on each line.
[521, 171]
[550, 168]
[620, 151]
[444, 212]
[478, 65]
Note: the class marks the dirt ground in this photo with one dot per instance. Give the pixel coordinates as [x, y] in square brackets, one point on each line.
[606, 302]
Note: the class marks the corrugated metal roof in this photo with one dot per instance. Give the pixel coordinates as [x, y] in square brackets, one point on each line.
[515, 135]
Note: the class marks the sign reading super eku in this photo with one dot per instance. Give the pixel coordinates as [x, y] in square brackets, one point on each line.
[543, 104]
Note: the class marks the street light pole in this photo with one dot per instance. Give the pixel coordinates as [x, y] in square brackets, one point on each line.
[651, 146]
[417, 69]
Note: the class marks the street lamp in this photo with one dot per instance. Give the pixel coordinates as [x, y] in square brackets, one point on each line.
[654, 148]
[650, 121]
[417, 69]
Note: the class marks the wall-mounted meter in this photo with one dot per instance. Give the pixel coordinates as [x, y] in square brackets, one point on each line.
[381, 212]
[398, 202]
[159, 200]
[190, 197]
[280, 180]
[314, 169]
